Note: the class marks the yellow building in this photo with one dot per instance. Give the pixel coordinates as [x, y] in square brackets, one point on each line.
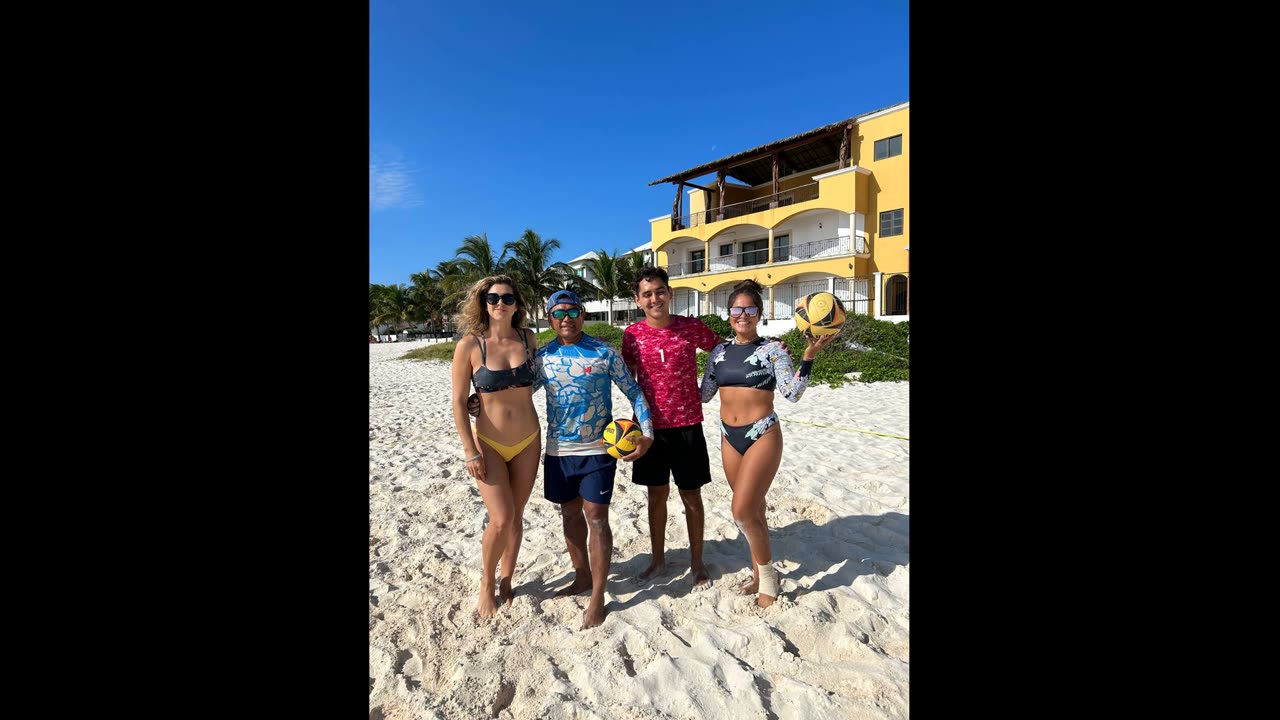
[827, 209]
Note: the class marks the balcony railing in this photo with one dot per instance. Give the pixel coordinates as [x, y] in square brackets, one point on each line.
[817, 249]
[829, 247]
[746, 207]
[857, 294]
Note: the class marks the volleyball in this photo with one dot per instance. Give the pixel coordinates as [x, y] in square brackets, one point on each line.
[620, 437]
[819, 313]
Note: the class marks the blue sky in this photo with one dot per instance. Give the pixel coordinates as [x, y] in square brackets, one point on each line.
[494, 117]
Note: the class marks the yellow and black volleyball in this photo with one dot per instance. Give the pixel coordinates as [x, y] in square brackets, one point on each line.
[620, 437]
[819, 313]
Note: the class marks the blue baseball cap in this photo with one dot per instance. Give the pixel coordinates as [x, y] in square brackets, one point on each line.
[564, 297]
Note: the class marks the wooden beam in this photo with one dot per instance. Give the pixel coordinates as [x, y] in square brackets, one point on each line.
[720, 187]
[788, 146]
[675, 208]
[774, 201]
[753, 158]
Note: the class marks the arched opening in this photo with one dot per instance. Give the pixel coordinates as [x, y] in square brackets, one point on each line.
[895, 296]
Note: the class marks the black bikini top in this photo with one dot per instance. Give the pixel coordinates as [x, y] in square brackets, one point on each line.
[487, 381]
[748, 365]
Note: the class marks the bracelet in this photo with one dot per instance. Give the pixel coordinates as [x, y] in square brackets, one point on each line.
[477, 456]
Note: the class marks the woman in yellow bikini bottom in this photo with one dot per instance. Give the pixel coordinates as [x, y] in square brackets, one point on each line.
[493, 322]
[508, 451]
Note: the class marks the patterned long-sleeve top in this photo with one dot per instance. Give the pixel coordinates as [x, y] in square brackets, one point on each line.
[579, 400]
[763, 364]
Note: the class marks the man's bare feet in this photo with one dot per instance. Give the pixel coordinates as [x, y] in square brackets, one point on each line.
[701, 578]
[750, 587]
[505, 593]
[581, 583]
[764, 601]
[487, 607]
[655, 568]
[594, 614]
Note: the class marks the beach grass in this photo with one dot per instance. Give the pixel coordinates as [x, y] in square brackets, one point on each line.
[440, 351]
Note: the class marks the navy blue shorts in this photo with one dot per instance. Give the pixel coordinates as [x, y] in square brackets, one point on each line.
[587, 476]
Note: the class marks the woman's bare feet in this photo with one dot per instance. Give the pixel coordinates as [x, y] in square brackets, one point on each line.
[487, 607]
[505, 593]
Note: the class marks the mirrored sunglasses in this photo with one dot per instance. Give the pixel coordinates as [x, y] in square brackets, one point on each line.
[561, 314]
[751, 311]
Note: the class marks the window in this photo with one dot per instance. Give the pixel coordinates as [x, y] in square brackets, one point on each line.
[889, 147]
[781, 248]
[580, 272]
[755, 252]
[891, 222]
[696, 261]
[726, 250]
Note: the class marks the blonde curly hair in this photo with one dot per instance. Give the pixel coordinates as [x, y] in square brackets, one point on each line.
[475, 317]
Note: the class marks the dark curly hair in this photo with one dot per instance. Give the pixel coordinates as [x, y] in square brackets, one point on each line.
[650, 273]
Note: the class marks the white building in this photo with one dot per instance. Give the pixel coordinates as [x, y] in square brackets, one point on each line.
[625, 311]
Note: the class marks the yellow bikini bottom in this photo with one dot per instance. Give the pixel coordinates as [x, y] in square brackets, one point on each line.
[508, 451]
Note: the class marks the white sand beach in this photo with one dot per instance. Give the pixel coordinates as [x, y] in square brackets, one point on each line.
[835, 645]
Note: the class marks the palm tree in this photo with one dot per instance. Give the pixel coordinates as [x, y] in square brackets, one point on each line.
[453, 286]
[629, 267]
[393, 305]
[529, 267]
[608, 282]
[565, 276]
[377, 305]
[428, 296]
[474, 261]
[475, 258]
[628, 272]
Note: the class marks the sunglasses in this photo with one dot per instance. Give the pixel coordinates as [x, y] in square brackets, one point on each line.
[751, 311]
[507, 298]
[562, 314]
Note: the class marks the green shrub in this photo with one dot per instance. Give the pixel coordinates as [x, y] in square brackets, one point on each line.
[440, 351]
[599, 330]
[876, 348]
[718, 325]
[885, 354]
[605, 332]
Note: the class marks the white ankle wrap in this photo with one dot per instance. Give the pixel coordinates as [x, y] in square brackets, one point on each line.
[768, 580]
